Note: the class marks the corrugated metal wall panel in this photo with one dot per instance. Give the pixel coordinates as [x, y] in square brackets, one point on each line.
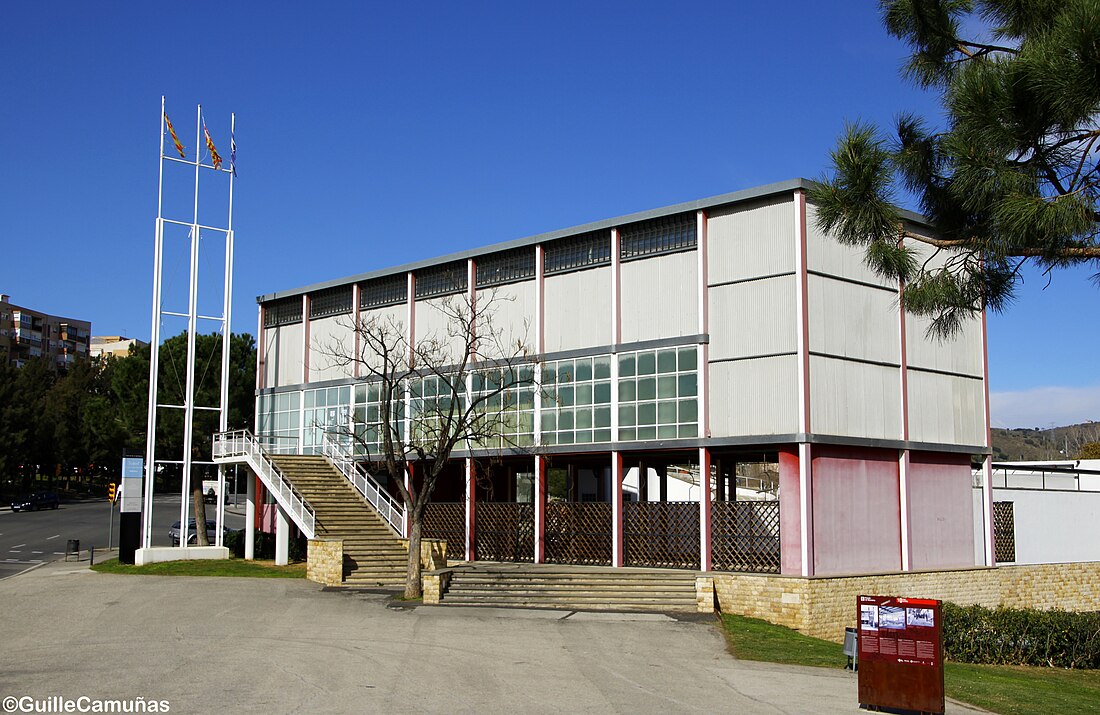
[854, 399]
[331, 341]
[285, 348]
[755, 318]
[511, 312]
[962, 353]
[271, 357]
[660, 297]
[434, 323]
[394, 319]
[578, 309]
[827, 255]
[750, 242]
[946, 409]
[754, 397]
[853, 320]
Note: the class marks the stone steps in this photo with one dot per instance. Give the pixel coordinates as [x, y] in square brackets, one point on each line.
[373, 554]
[572, 588]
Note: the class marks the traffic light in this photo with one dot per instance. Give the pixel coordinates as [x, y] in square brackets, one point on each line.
[111, 492]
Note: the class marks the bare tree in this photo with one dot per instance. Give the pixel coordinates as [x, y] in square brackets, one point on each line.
[446, 390]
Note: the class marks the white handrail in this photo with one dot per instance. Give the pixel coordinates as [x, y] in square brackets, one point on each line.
[387, 507]
[241, 443]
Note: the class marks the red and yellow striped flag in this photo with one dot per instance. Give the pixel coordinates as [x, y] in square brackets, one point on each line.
[175, 139]
[215, 157]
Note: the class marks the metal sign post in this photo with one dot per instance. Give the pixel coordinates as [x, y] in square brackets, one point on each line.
[129, 516]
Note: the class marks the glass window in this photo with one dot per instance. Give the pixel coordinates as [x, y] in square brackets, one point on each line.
[627, 365]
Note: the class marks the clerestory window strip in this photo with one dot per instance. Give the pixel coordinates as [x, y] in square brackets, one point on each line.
[576, 252]
[333, 301]
[388, 290]
[667, 234]
[506, 267]
[442, 280]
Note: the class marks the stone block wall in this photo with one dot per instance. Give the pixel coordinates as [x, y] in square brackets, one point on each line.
[824, 607]
[434, 583]
[325, 561]
[433, 553]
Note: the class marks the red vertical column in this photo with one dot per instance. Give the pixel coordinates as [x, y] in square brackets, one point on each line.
[617, 509]
[805, 451]
[704, 509]
[305, 338]
[408, 507]
[540, 509]
[355, 323]
[471, 491]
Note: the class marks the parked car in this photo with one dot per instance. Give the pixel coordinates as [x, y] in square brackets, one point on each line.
[36, 501]
[192, 537]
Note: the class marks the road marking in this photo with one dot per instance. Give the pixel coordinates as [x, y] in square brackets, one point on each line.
[59, 553]
[13, 551]
[17, 546]
[48, 537]
[36, 552]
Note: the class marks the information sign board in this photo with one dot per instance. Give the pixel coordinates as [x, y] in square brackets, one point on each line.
[900, 653]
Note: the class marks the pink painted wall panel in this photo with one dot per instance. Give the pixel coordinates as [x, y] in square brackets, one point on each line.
[857, 517]
[267, 518]
[941, 511]
[790, 517]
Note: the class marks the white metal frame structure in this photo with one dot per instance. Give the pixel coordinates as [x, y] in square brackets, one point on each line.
[223, 322]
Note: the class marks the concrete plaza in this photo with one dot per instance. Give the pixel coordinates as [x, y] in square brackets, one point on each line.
[285, 646]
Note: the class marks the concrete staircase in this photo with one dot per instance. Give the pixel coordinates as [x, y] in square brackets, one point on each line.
[374, 556]
[571, 587]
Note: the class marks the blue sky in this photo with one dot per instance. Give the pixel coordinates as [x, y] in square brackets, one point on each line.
[371, 134]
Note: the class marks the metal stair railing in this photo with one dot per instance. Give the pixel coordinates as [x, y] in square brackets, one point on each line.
[392, 511]
[240, 445]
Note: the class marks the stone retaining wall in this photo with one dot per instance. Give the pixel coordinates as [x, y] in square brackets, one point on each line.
[823, 607]
[325, 561]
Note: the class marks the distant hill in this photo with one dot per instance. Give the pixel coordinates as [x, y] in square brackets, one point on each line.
[1013, 445]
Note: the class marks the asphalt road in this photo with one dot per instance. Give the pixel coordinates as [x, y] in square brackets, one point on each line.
[31, 538]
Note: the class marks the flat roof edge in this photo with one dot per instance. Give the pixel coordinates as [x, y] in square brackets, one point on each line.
[750, 194]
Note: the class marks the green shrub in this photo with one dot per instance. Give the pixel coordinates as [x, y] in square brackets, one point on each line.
[234, 541]
[1010, 636]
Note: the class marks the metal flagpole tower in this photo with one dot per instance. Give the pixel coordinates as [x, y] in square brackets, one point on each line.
[195, 232]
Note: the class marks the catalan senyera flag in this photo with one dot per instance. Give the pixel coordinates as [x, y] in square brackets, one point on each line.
[215, 157]
[175, 139]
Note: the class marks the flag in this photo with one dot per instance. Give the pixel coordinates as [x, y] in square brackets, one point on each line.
[233, 153]
[175, 139]
[215, 157]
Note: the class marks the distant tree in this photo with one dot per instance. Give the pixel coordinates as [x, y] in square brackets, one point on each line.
[1089, 451]
[1010, 178]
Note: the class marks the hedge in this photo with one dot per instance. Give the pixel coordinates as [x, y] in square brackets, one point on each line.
[1010, 636]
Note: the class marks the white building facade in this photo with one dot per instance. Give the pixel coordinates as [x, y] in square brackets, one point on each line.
[726, 337]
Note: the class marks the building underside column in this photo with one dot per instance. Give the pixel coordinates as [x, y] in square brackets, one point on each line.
[540, 509]
[471, 484]
[250, 517]
[282, 537]
[616, 509]
[704, 510]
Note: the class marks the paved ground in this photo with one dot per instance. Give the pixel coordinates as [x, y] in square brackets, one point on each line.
[285, 646]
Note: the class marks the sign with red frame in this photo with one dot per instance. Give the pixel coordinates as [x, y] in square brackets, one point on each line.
[900, 653]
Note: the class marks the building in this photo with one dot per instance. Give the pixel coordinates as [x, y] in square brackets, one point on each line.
[26, 334]
[725, 337]
[114, 345]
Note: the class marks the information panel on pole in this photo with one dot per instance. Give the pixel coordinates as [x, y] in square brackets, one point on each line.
[900, 653]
